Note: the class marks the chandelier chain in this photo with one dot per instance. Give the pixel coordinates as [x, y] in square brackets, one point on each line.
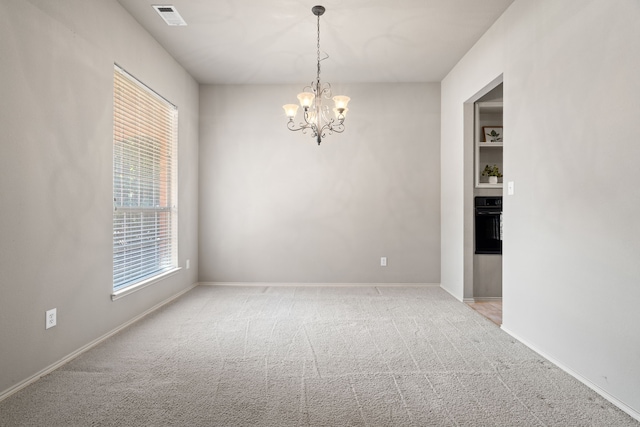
[318, 78]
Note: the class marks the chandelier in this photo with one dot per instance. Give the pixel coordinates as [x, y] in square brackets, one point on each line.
[317, 117]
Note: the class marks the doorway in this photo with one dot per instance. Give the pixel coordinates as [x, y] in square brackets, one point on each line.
[484, 175]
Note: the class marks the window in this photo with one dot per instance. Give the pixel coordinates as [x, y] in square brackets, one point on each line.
[144, 183]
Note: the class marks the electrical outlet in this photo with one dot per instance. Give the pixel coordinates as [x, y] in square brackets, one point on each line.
[383, 261]
[50, 318]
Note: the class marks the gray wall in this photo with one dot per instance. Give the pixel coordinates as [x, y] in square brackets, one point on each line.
[275, 207]
[571, 230]
[56, 175]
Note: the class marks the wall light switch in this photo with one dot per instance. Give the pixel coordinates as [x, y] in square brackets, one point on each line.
[188, 264]
[383, 261]
[510, 188]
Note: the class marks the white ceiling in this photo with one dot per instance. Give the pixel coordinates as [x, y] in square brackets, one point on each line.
[274, 41]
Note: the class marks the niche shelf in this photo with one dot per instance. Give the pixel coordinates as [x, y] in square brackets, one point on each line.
[488, 152]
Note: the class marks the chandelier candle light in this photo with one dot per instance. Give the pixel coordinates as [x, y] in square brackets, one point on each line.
[316, 115]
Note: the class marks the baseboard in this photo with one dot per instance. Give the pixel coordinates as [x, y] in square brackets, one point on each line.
[487, 299]
[615, 401]
[285, 284]
[481, 299]
[16, 388]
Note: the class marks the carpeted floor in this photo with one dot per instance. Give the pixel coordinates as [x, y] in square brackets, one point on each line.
[311, 356]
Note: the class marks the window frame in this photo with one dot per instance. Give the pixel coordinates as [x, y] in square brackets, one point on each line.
[145, 190]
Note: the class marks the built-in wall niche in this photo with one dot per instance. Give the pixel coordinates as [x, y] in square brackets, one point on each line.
[488, 138]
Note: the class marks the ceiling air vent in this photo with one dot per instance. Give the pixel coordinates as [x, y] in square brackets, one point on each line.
[170, 15]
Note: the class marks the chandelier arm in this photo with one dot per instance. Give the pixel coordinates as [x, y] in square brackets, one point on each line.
[339, 128]
[327, 126]
[303, 127]
[334, 126]
[309, 124]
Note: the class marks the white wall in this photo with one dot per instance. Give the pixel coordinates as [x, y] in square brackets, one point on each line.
[571, 231]
[275, 207]
[56, 175]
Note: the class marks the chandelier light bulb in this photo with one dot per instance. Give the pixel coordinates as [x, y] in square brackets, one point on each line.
[291, 110]
[306, 99]
[341, 101]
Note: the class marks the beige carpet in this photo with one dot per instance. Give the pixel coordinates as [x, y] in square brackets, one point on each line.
[311, 356]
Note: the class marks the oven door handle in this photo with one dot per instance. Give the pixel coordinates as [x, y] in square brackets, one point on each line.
[488, 213]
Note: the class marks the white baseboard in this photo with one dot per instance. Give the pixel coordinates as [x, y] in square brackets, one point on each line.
[313, 284]
[16, 388]
[481, 299]
[452, 294]
[487, 299]
[615, 401]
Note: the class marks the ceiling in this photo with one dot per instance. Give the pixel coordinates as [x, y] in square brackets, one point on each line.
[274, 41]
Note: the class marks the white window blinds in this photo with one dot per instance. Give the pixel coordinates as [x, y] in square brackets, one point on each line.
[144, 183]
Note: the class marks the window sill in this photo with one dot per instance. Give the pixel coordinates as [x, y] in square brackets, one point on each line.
[140, 285]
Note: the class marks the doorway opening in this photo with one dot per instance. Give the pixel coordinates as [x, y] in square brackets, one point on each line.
[484, 175]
